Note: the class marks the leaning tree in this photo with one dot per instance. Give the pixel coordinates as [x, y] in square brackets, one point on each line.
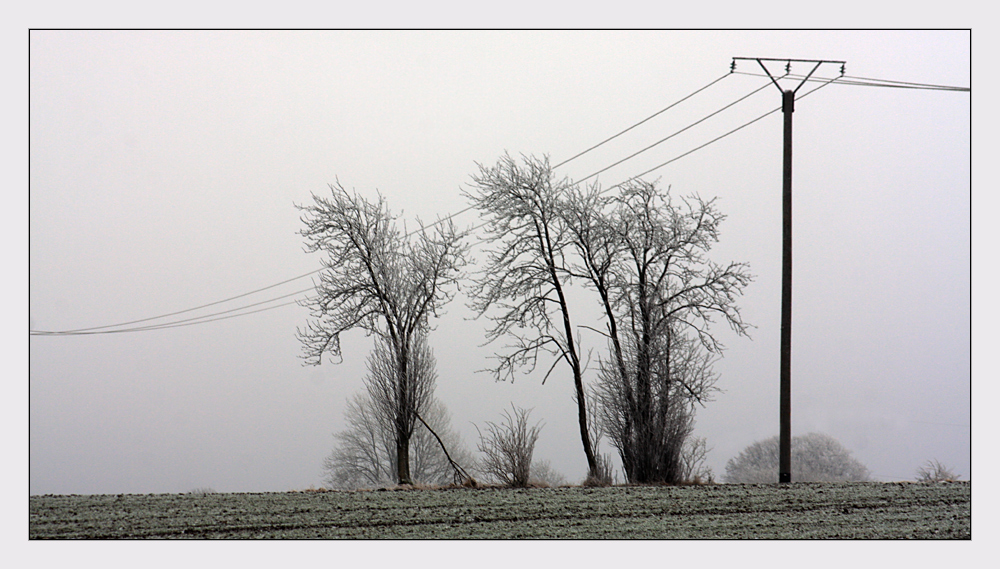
[388, 283]
[522, 288]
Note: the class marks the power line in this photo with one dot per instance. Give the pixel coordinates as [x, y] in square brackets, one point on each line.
[629, 157]
[901, 84]
[43, 332]
[209, 317]
[869, 82]
[198, 320]
[185, 322]
[657, 113]
[603, 142]
[205, 320]
[718, 138]
[609, 188]
[697, 148]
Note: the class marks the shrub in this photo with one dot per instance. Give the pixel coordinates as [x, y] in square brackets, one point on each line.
[934, 471]
[603, 475]
[508, 448]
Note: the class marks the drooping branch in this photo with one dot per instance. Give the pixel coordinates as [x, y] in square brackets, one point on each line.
[461, 476]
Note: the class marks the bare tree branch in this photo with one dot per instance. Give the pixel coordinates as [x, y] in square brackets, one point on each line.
[461, 476]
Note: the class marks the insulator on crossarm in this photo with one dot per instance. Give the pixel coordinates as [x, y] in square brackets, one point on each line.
[732, 66]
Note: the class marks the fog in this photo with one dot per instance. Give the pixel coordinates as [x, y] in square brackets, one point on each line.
[165, 167]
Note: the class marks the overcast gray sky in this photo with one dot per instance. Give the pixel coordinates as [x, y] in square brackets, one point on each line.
[164, 169]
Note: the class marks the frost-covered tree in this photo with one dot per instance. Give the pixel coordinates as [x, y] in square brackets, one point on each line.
[522, 287]
[815, 458]
[646, 255]
[693, 457]
[380, 279]
[542, 474]
[366, 452]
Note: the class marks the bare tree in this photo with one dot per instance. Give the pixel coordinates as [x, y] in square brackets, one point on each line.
[603, 474]
[364, 453]
[934, 471]
[815, 458]
[381, 280]
[397, 404]
[646, 258]
[693, 457]
[649, 428]
[522, 286]
[360, 458]
[507, 448]
[542, 474]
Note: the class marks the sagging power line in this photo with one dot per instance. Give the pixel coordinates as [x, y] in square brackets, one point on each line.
[184, 322]
[657, 113]
[214, 316]
[119, 327]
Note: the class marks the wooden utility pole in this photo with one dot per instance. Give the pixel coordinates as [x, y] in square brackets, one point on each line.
[785, 397]
[785, 410]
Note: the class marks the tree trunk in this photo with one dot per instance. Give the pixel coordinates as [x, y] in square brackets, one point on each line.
[588, 448]
[403, 460]
[403, 414]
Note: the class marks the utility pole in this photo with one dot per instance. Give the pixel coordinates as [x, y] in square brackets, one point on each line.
[785, 397]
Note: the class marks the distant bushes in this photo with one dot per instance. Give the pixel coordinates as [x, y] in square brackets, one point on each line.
[542, 474]
[815, 458]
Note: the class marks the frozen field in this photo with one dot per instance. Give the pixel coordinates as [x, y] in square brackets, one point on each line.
[728, 511]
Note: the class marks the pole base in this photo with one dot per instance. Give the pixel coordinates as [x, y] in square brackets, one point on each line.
[784, 477]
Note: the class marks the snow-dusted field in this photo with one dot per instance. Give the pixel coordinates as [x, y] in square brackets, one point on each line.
[729, 511]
